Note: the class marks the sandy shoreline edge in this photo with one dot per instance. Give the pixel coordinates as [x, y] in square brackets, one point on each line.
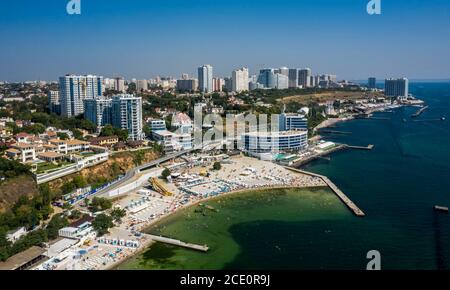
[147, 245]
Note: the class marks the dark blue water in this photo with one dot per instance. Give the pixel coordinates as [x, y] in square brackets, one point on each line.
[397, 185]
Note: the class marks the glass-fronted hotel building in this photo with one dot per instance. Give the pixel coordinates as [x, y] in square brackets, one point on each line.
[256, 143]
[293, 122]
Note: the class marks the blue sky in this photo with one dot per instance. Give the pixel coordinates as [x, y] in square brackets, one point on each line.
[145, 38]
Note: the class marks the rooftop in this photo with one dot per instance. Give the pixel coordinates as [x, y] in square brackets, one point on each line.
[164, 133]
[81, 221]
[60, 246]
[102, 138]
[21, 145]
[50, 155]
[22, 135]
[22, 258]
[56, 141]
[12, 150]
[76, 142]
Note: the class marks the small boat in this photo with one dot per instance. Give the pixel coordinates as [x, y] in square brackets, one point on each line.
[443, 119]
[441, 208]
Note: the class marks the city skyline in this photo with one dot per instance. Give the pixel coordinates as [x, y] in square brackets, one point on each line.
[105, 38]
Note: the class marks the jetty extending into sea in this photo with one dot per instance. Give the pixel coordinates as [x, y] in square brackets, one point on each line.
[347, 201]
[174, 242]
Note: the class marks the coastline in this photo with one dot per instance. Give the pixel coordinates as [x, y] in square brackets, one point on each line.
[161, 219]
[332, 121]
[145, 227]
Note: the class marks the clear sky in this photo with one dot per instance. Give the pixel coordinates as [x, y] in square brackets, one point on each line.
[145, 38]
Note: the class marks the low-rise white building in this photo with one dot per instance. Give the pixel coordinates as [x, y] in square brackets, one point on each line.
[78, 229]
[23, 152]
[172, 141]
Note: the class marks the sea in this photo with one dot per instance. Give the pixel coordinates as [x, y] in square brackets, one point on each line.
[397, 185]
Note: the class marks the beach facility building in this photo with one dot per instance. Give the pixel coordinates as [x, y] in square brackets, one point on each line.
[271, 143]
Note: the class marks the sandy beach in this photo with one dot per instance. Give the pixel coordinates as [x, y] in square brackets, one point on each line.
[255, 181]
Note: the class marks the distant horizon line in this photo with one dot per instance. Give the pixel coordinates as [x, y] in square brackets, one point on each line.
[129, 79]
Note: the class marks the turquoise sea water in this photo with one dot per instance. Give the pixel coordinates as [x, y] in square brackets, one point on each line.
[397, 184]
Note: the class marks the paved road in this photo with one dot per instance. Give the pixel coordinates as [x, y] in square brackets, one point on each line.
[132, 173]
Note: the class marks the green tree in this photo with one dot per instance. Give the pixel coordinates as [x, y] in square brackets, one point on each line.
[4, 244]
[107, 131]
[79, 181]
[122, 134]
[57, 222]
[34, 238]
[169, 121]
[77, 134]
[102, 223]
[117, 214]
[159, 148]
[34, 129]
[88, 125]
[75, 214]
[63, 136]
[115, 169]
[166, 173]
[147, 130]
[217, 166]
[139, 157]
[99, 204]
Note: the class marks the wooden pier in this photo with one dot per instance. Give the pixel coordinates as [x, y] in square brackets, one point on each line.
[350, 204]
[178, 243]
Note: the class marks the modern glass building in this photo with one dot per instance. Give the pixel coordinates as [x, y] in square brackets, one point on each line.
[98, 111]
[396, 87]
[274, 142]
[293, 78]
[293, 122]
[187, 85]
[240, 79]
[272, 80]
[157, 125]
[267, 78]
[281, 81]
[205, 78]
[54, 102]
[127, 114]
[372, 83]
[304, 78]
[73, 90]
